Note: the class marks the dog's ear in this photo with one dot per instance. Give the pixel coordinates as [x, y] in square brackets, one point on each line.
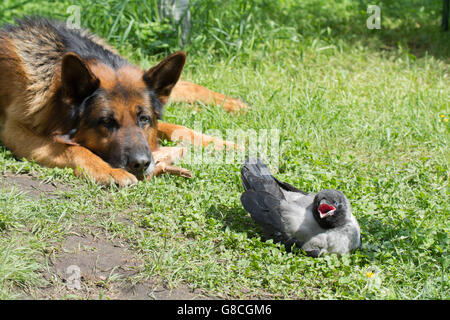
[163, 77]
[78, 81]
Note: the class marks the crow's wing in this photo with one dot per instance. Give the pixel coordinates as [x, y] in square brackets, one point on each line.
[256, 176]
[264, 209]
[288, 187]
[279, 219]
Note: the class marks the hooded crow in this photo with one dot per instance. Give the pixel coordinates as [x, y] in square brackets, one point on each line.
[317, 223]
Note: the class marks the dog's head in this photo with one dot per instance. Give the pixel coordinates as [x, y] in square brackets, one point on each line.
[114, 111]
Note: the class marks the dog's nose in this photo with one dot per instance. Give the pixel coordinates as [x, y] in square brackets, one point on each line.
[140, 162]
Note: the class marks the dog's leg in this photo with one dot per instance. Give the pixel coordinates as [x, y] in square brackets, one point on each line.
[24, 143]
[174, 132]
[164, 157]
[190, 92]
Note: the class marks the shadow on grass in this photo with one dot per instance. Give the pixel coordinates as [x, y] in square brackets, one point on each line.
[413, 25]
[6, 154]
[236, 219]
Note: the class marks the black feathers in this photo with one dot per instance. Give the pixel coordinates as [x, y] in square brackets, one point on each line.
[256, 176]
[317, 223]
[259, 204]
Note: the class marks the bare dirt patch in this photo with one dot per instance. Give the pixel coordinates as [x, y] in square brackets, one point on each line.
[31, 186]
[89, 267]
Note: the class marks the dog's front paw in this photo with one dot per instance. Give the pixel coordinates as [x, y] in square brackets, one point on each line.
[121, 177]
[107, 176]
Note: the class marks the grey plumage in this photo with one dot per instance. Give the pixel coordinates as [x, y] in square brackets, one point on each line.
[317, 223]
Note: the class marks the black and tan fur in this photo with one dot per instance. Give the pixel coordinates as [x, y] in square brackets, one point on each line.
[67, 99]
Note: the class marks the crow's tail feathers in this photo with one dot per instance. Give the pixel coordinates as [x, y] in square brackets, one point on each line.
[256, 176]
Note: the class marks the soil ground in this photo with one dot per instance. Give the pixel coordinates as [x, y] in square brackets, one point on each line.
[88, 265]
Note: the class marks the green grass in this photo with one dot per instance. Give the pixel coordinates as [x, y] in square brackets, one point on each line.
[358, 110]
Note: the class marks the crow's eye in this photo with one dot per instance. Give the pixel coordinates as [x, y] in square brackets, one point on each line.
[144, 120]
[336, 204]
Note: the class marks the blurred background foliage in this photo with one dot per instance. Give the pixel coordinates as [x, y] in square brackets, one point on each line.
[243, 27]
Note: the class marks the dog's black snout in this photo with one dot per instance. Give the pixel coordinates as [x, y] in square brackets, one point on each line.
[139, 162]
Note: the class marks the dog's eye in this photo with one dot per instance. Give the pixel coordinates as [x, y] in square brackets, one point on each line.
[107, 122]
[144, 120]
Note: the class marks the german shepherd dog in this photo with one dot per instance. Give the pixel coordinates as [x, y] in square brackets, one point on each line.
[67, 99]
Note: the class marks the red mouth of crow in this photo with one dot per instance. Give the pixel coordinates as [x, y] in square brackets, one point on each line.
[326, 210]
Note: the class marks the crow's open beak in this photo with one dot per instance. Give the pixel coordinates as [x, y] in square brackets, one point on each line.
[326, 210]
